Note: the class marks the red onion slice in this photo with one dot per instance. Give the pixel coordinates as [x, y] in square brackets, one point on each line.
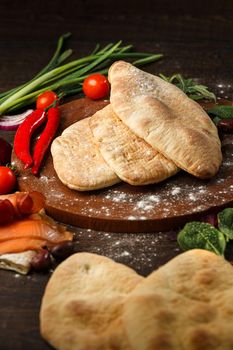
[12, 122]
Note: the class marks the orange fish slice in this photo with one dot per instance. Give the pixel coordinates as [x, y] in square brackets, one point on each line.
[34, 229]
[21, 245]
[25, 203]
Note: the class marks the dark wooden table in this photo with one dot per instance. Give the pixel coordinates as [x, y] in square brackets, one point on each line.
[196, 38]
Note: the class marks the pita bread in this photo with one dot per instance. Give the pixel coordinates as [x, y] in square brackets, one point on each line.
[130, 157]
[19, 262]
[83, 302]
[78, 162]
[186, 304]
[166, 118]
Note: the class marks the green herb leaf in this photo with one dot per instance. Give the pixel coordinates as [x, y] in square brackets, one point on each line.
[222, 112]
[225, 222]
[190, 87]
[202, 235]
[216, 120]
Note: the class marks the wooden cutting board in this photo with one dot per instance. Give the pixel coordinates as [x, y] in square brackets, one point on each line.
[125, 208]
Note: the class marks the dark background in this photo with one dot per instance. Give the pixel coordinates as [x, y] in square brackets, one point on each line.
[197, 40]
[195, 36]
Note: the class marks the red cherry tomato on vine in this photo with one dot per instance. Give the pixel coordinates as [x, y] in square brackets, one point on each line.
[46, 99]
[7, 180]
[96, 86]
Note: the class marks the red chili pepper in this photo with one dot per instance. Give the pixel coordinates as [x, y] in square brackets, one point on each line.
[45, 138]
[23, 136]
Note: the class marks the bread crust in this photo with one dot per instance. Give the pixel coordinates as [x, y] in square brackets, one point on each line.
[166, 118]
[82, 305]
[129, 156]
[78, 162]
[187, 304]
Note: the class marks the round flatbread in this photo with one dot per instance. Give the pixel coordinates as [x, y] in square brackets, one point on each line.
[77, 160]
[166, 118]
[82, 305]
[185, 305]
[130, 157]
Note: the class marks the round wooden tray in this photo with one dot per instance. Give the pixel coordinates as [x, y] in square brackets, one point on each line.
[125, 208]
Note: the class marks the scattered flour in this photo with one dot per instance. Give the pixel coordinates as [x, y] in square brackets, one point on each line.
[144, 251]
[175, 191]
[192, 197]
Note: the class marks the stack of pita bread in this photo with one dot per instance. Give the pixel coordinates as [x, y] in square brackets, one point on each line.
[93, 303]
[149, 131]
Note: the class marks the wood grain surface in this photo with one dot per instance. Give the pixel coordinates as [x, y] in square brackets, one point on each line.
[126, 208]
[196, 38]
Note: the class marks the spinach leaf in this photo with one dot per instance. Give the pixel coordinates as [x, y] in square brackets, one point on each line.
[201, 235]
[222, 112]
[225, 222]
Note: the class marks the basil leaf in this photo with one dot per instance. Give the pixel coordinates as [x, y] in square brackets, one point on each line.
[202, 235]
[225, 222]
[222, 112]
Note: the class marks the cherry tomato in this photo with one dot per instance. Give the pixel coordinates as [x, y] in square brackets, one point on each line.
[96, 86]
[46, 99]
[7, 180]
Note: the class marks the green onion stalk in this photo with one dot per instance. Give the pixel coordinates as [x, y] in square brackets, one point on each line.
[67, 79]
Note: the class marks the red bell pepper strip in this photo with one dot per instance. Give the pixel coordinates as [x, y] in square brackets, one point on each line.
[23, 136]
[45, 138]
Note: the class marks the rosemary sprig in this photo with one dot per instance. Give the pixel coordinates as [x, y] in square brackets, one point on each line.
[190, 87]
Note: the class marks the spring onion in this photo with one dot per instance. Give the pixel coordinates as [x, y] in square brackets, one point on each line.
[67, 79]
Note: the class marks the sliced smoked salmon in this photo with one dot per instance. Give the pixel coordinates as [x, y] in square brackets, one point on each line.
[36, 229]
[32, 233]
[24, 203]
[21, 245]
[7, 211]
